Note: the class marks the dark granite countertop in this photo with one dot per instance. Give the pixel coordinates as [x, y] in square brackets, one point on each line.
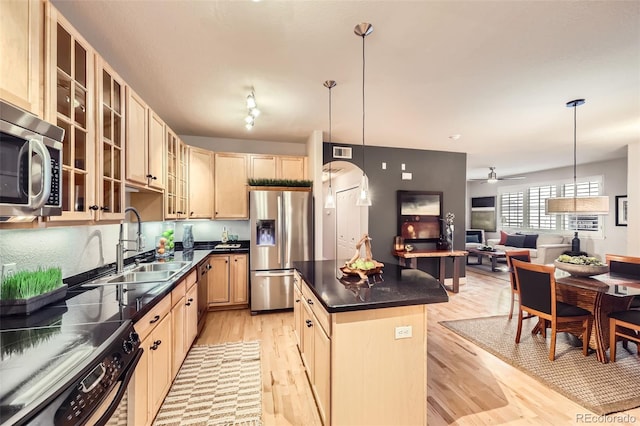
[396, 286]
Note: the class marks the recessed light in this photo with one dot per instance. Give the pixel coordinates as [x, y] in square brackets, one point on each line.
[455, 137]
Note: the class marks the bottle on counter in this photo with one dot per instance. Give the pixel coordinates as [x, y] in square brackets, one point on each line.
[187, 237]
[225, 235]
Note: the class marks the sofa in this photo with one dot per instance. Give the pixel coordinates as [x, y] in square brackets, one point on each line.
[543, 248]
[474, 238]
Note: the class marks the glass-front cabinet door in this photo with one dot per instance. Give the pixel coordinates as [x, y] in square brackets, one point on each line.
[183, 180]
[70, 89]
[110, 143]
[171, 191]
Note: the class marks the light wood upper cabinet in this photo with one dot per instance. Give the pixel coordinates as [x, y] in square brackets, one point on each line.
[292, 167]
[137, 130]
[110, 143]
[201, 165]
[262, 166]
[70, 94]
[156, 152]
[145, 144]
[21, 61]
[230, 186]
[176, 178]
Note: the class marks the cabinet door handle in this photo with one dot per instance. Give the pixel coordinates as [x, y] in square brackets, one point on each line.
[155, 319]
[188, 303]
[297, 300]
[190, 299]
[93, 207]
[309, 323]
[309, 301]
[155, 345]
[105, 208]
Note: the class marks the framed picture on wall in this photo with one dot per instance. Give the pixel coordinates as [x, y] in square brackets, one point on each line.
[419, 214]
[483, 213]
[621, 210]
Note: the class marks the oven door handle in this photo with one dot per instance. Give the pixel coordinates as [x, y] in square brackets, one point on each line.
[123, 388]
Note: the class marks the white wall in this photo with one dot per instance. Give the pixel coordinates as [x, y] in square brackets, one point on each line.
[245, 145]
[633, 192]
[314, 164]
[614, 174]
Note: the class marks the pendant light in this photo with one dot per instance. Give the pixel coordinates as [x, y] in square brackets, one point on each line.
[329, 201]
[577, 205]
[362, 30]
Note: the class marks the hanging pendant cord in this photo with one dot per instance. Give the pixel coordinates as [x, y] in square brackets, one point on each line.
[363, 66]
[329, 134]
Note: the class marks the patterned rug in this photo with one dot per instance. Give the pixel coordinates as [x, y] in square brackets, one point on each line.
[216, 385]
[601, 388]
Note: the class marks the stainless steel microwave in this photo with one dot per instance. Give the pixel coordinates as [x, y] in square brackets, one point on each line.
[30, 164]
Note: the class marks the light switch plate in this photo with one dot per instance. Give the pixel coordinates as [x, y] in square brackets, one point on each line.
[8, 269]
[407, 176]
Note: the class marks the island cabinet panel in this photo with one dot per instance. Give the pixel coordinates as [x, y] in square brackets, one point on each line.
[160, 376]
[350, 350]
[391, 378]
[178, 316]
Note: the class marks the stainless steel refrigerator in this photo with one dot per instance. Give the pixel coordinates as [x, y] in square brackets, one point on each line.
[281, 233]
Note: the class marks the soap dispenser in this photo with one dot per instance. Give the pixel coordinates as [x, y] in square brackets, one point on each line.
[225, 235]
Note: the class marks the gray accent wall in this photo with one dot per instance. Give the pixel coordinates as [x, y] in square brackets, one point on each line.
[431, 171]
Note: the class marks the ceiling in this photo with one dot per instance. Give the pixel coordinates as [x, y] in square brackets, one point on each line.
[498, 73]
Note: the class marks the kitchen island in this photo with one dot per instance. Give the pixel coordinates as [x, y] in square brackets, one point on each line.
[364, 343]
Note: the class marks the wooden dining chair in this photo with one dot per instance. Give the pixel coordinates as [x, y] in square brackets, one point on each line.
[623, 325]
[537, 295]
[523, 255]
[628, 265]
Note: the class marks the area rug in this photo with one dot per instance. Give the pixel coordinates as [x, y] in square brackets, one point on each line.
[216, 385]
[485, 269]
[601, 388]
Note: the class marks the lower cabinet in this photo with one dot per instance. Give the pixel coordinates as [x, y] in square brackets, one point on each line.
[228, 281]
[184, 319]
[312, 330]
[166, 332]
[357, 353]
[153, 376]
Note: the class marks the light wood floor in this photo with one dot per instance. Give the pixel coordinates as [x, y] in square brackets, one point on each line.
[466, 385]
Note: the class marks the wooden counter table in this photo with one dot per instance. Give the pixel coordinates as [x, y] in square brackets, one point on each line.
[442, 254]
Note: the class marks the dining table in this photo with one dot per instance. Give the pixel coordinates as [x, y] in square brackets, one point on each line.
[600, 295]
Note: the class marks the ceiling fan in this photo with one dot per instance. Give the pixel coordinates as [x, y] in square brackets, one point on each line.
[492, 177]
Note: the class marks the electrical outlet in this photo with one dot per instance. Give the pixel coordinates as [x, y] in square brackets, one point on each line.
[8, 269]
[404, 332]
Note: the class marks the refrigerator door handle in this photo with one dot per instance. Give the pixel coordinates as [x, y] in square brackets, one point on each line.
[274, 274]
[280, 225]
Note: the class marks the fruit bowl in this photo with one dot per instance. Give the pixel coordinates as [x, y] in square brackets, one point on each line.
[362, 266]
[582, 270]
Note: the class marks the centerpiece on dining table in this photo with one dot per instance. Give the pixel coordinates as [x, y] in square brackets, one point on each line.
[362, 266]
[581, 266]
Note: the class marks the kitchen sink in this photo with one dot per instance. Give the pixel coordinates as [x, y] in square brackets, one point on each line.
[141, 277]
[152, 267]
[155, 272]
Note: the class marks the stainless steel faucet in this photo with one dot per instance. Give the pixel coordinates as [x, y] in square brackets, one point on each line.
[120, 247]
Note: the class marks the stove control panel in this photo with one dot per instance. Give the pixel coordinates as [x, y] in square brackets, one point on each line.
[90, 391]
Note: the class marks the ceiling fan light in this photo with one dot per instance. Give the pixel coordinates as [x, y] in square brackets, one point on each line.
[249, 125]
[577, 205]
[254, 112]
[248, 119]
